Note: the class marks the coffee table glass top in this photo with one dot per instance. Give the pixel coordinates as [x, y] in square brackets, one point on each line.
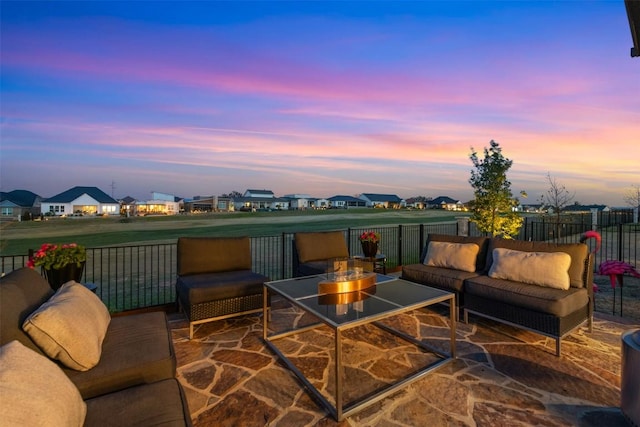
[389, 294]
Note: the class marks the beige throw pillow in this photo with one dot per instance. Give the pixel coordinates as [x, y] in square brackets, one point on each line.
[35, 392]
[457, 256]
[549, 269]
[70, 326]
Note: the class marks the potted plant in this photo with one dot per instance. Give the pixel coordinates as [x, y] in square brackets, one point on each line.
[369, 241]
[60, 263]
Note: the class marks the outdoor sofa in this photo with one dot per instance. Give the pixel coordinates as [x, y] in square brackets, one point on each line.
[543, 287]
[62, 352]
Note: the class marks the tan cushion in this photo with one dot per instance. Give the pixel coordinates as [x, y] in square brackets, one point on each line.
[321, 245]
[457, 256]
[482, 242]
[70, 326]
[579, 253]
[35, 392]
[199, 255]
[549, 269]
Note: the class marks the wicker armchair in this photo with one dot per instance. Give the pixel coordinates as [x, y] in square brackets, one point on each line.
[215, 280]
[312, 251]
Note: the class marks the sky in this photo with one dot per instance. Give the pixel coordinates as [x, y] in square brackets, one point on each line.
[318, 98]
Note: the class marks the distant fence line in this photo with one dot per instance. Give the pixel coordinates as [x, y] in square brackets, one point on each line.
[139, 276]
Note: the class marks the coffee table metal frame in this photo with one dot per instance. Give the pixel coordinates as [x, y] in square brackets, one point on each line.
[340, 411]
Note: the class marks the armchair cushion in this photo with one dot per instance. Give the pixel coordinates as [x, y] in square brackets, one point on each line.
[198, 255]
[201, 288]
[316, 246]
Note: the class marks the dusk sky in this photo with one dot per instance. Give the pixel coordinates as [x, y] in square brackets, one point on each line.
[319, 98]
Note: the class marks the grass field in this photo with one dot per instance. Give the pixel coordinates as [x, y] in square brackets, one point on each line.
[16, 238]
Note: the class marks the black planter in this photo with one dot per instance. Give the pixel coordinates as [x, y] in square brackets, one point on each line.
[369, 249]
[59, 276]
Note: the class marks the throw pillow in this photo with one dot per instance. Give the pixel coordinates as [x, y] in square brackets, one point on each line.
[35, 392]
[70, 326]
[457, 256]
[549, 269]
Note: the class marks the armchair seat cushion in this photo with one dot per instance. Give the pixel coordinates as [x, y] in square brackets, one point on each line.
[312, 267]
[201, 288]
[557, 302]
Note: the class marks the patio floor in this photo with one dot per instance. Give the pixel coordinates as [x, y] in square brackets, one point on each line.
[503, 376]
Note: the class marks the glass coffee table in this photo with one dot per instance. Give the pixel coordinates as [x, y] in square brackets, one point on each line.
[373, 308]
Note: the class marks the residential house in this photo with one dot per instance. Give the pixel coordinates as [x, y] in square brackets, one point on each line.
[415, 203]
[578, 208]
[253, 200]
[19, 204]
[319, 203]
[299, 201]
[160, 204]
[446, 203]
[345, 202]
[208, 204]
[388, 201]
[128, 206]
[81, 201]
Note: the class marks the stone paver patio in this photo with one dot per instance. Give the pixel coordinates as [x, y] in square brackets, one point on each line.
[503, 376]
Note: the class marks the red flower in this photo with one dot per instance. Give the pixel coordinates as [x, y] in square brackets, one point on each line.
[370, 236]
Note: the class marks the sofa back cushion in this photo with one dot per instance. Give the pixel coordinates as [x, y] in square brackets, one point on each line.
[316, 246]
[579, 253]
[482, 242]
[548, 269]
[198, 255]
[22, 291]
[456, 256]
[35, 391]
[70, 326]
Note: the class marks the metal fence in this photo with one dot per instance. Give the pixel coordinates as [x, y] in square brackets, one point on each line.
[140, 276]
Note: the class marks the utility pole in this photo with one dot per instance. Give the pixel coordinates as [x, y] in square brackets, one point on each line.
[113, 187]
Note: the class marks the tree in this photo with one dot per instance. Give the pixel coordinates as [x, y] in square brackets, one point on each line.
[632, 196]
[494, 204]
[233, 195]
[557, 197]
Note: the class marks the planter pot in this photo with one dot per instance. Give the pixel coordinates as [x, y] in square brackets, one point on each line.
[369, 249]
[59, 276]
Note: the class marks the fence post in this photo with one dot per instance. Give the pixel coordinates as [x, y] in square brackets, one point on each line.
[462, 223]
[620, 247]
[420, 243]
[283, 255]
[594, 218]
[400, 244]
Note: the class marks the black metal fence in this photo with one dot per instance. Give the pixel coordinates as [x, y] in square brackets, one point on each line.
[139, 276]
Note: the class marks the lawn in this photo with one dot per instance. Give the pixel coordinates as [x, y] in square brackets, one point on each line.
[18, 237]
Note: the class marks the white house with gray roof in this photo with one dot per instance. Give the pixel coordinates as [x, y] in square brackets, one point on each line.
[81, 200]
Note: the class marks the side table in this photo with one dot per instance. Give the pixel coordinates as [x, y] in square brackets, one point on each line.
[378, 262]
